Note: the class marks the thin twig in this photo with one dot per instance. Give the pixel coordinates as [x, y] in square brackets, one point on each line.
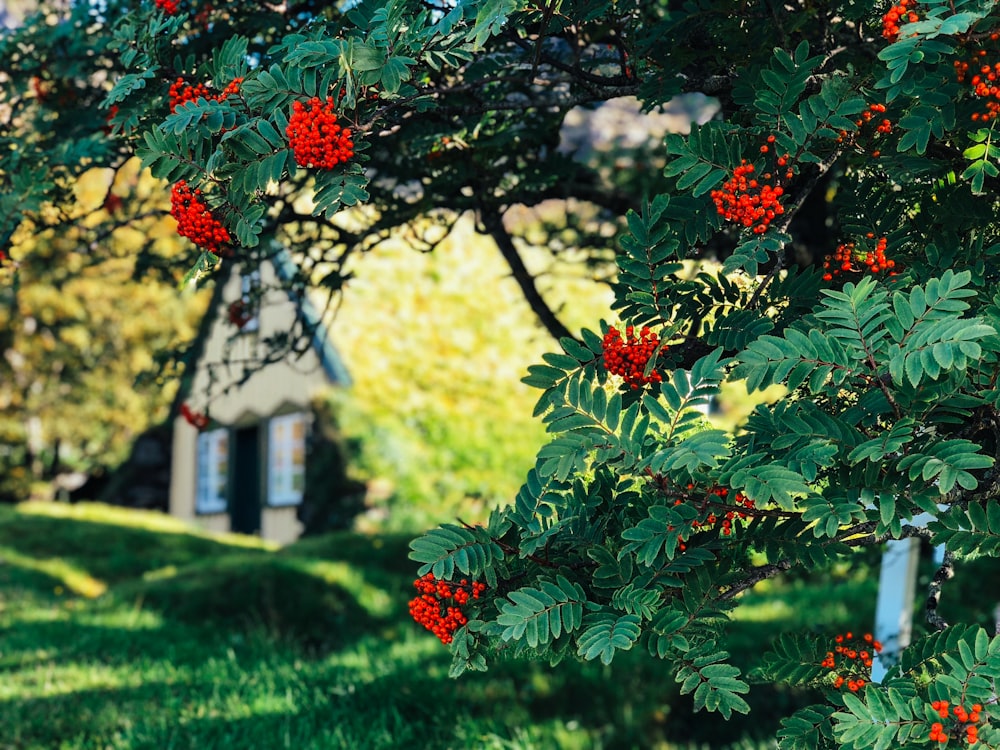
[789, 214]
[755, 297]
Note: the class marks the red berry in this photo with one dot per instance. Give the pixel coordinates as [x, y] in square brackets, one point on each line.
[749, 201]
[181, 92]
[630, 357]
[431, 608]
[196, 419]
[317, 140]
[900, 12]
[195, 221]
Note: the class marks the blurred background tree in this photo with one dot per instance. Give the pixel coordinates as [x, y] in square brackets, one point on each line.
[82, 331]
[437, 344]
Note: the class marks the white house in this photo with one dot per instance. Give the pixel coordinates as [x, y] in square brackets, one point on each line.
[245, 470]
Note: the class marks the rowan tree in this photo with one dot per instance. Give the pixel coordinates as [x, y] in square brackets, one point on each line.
[832, 230]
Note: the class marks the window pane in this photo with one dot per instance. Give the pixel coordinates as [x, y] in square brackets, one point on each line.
[212, 471]
[286, 459]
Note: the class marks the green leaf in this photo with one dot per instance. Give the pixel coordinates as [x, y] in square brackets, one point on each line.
[946, 462]
[715, 684]
[450, 547]
[659, 534]
[604, 634]
[805, 729]
[539, 615]
[970, 532]
[490, 19]
[394, 72]
[770, 483]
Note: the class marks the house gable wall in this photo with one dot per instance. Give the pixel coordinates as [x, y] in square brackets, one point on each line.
[280, 388]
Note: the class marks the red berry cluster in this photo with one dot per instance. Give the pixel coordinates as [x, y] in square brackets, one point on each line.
[195, 221]
[366, 93]
[750, 200]
[112, 114]
[439, 148]
[203, 16]
[113, 203]
[900, 13]
[41, 88]
[167, 6]
[432, 610]
[724, 519]
[629, 357]
[965, 721]
[182, 92]
[317, 140]
[196, 419]
[681, 545]
[240, 313]
[882, 127]
[846, 255]
[851, 660]
[984, 81]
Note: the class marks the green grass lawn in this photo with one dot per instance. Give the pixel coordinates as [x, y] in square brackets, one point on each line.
[123, 629]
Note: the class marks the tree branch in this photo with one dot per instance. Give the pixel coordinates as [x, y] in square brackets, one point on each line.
[624, 83]
[755, 576]
[943, 574]
[492, 223]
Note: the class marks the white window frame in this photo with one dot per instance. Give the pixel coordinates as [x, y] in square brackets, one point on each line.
[212, 485]
[281, 467]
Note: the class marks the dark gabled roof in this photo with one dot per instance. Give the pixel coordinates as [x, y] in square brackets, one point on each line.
[333, 365]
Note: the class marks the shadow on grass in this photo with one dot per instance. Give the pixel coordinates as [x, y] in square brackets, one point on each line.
[295, 595]
[245, 592]
[108, 551]
[633, 703]
[200, 691]
[65, 641]
[309, 647]
[18, 582]
[384, 557]
[83, 718]
[219, 696]
[238, 595]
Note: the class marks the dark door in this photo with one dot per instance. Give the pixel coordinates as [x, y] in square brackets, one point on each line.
[245, 507]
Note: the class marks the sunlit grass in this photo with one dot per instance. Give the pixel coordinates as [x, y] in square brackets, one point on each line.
[147, 520]
[72, 578]
[199, 642]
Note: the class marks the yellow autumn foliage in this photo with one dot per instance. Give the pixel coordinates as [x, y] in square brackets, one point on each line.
[436, 345]
[80, 329]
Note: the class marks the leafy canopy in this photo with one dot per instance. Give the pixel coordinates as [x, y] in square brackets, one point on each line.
[847, 186]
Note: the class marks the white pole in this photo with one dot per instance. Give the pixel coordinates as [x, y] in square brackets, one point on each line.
[897, 584]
